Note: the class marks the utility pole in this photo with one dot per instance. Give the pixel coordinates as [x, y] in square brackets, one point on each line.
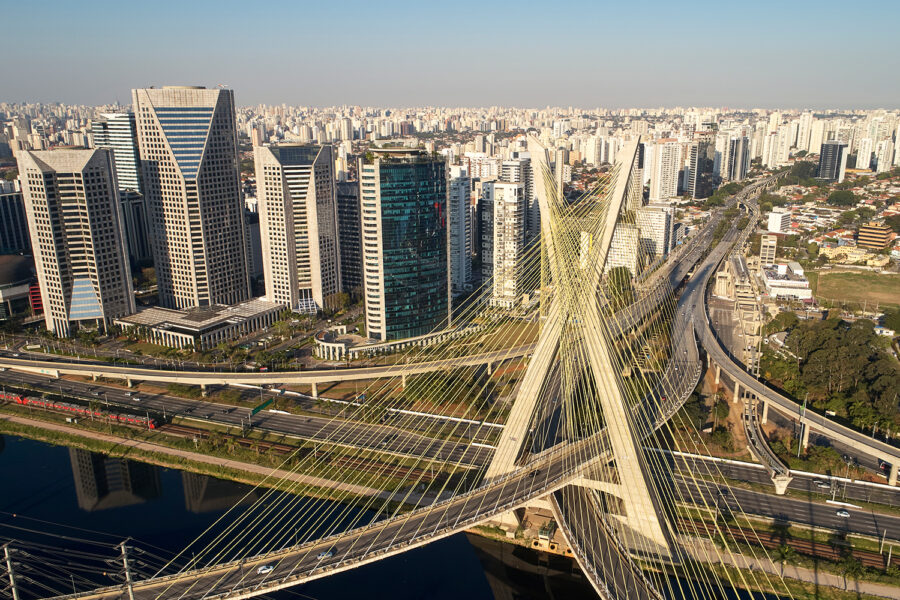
[128, 584]
[12, 572]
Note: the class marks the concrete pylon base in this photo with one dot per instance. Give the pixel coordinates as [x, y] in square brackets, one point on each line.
[781, 483]
[640, 546]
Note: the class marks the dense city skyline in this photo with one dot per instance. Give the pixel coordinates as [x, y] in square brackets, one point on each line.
[584, 54]
[609, 287]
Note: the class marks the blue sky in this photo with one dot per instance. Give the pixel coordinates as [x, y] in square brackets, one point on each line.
[794, 53]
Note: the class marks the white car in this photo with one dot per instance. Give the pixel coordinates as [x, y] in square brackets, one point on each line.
[265, 569]
[843, 513]
[324, 555]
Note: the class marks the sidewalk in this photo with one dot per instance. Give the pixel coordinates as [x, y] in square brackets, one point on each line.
[702, 550]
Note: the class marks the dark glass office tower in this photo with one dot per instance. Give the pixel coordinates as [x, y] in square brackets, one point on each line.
[403, 198]
[832, 161]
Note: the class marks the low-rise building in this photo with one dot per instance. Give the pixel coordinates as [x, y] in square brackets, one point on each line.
[201, 328]
[787, 281]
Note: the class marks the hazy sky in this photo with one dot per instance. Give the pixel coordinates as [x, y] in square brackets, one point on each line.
[792, 53]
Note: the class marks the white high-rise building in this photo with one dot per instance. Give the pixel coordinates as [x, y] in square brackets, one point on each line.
[884, 154]
[625, 249]
[72, 206]
[864, 149]
[298, 226]
[667, 166]
[656, 223]
[816, 136]
[518, 170]
[804, 129]
[188, 146]
[460, 215]
[507, 245]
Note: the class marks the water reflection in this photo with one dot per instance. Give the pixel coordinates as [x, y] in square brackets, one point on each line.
[103, 482]
[203, 494]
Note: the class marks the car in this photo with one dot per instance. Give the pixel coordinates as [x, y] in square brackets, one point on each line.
[325, 554]
[843, 513]
[135, 399]
[263, 569]
[822, 484]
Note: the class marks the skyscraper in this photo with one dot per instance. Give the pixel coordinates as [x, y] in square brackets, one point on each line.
[700, 173]
[460, 217]
[656, 223]
[832, 161]
[403, 198]
[864, 150]
[625, 249]
[298, 225]
[350, 236]
[738, 158]
[71, 199]
[502, 254]
[518, 170]
[118, 132]
[666, 168]
[188, 148]
[13, 224]
[884, 153]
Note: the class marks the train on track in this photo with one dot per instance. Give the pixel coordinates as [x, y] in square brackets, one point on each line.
[81, 410]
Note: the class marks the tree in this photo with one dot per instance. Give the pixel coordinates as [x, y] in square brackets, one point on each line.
[842, 198]
[621, 288]
[892, 319]
[893, 222]
[812, 249]
[784, 321]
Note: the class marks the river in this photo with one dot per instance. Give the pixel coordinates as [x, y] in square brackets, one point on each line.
[66, 510]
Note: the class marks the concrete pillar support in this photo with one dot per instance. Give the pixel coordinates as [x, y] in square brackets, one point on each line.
[315, 390]
[765, 412]
[781, 483]
[718, 373]
[203, 391]
[804, 436]
[737, 392]
[892, 479]
[403, 380]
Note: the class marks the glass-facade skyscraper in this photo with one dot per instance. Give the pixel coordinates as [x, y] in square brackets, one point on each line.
[403, 197]
[832, 161]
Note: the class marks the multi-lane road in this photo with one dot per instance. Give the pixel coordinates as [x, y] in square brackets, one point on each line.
[371, 436]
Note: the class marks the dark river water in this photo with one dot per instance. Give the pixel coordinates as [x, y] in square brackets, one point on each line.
[65, 511]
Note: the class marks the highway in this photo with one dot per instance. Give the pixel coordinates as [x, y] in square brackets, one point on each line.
[789, 510]
[822, 487]
[735, 370]
[377, 437]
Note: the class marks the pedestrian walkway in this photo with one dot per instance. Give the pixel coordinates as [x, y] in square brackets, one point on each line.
[703, 549]
[273, 475]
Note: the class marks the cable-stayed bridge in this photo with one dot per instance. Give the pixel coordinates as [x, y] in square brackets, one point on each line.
[609, 371]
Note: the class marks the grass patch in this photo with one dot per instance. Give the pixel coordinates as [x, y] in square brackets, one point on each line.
[856, 287]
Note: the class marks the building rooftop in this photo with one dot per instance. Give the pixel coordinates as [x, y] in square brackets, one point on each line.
[199, 319]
